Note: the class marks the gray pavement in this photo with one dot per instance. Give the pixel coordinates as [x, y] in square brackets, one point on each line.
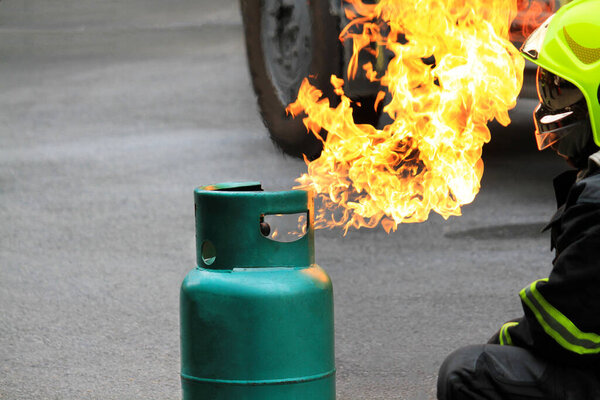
[111, 112]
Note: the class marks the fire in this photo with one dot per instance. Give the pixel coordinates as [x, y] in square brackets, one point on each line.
[429, 157]
[532, 13]
[292, 234]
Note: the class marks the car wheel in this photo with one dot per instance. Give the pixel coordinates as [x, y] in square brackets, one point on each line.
[286, 41]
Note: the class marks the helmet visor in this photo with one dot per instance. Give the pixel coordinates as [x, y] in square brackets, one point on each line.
[546, 134]
[534, 42]
[547, 139]
[556, 93]
[552, 126]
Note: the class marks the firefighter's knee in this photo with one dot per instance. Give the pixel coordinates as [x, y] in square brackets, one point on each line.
[457, 373]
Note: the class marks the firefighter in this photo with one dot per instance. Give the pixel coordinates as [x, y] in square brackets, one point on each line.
[553, 350]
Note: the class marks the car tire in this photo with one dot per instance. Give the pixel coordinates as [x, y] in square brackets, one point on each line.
[286, 41]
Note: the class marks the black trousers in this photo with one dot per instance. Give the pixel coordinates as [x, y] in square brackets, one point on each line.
[497, 372]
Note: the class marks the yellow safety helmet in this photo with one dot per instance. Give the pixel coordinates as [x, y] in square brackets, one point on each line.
[566, 48]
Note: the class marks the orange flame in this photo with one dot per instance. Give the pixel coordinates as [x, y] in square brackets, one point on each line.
[429, 157]
[532, 13]
[292, 234]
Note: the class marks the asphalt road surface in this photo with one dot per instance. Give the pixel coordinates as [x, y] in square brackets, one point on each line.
[111, 112]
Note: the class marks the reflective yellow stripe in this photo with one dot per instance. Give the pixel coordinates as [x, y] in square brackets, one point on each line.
[505, 339]
[557, 325]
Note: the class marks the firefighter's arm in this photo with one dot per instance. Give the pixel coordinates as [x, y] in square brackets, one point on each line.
[561, 311]
[503, 336]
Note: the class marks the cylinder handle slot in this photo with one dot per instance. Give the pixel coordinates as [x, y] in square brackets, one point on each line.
[284, 227]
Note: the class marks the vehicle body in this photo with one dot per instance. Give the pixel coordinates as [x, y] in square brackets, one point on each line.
[288, 40]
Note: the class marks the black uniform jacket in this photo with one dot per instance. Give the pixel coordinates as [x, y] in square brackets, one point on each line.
[562, 312]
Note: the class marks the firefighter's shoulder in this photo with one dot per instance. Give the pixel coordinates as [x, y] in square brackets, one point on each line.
[588, 189]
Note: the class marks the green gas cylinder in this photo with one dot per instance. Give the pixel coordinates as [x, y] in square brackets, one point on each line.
[256, 314]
